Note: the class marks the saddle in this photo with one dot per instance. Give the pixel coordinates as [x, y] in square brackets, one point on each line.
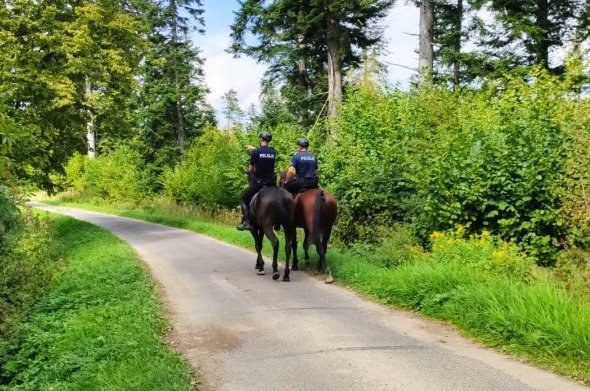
[255, 196]
[303, 190]
[253, 203]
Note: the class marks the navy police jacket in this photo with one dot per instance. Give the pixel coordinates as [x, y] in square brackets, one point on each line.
[263, 159]
[305, 164]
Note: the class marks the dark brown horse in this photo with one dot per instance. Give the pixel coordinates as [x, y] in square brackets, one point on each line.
[315, 212]
[272, 207]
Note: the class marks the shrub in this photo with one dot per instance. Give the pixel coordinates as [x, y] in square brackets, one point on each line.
[29, 264]
[117, 176]
[498, 159]
[482, 253]
[9, 215]
[212, 173]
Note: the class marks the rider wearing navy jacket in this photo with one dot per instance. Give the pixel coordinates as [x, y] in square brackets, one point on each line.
[261, 172]
[303, 169]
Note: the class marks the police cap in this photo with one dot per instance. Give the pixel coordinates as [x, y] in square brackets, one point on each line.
[266, 136]
[303, 142]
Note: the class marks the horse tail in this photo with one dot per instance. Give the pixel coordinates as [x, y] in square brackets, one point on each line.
[317, 217]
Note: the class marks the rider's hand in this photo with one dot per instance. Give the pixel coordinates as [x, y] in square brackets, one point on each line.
[250, 148]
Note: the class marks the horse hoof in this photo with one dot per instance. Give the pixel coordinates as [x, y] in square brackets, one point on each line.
[286, 279]
[329, 279]
[275, 276]
[260, 272]
[295, 267]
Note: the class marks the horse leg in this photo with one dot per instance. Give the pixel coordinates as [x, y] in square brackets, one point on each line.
[306, 244]
[258, 244]
[325, 239]
[289, 234]
[268, 231]
[294, 248]
[322, 264]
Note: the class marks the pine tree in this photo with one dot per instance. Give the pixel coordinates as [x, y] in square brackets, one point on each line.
[172, 100]
[299, 39]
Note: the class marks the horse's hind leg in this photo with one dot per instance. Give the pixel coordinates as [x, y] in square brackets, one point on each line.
[258, 236]
[294, 248]
[268, 231]
[326, 238]
[322, 264]
[289, 237]
[306, 245]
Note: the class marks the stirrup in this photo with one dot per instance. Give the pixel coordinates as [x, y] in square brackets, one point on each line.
[244, 226]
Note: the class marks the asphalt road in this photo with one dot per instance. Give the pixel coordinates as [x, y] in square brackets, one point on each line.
[247, 332]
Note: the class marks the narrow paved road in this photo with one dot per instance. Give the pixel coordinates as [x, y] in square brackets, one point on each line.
[247, 332]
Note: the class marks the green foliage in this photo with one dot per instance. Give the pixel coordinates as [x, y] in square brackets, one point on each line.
[497, 159]
[481, 253]
[43, 86]
[212, 173]
[100, 328]
[395, 247]
[573, 271]
[171, 103]
[9, 215]
[364, 163]
[489, 290]
[29, 264]
[116, 176]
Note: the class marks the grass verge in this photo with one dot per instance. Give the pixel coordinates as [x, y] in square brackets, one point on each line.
[481, 288]
[100, 328]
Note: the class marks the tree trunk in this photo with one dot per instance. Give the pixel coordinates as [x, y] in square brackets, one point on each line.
[90, 135]
[459, 35]
[425, 53]
[334, 67]
[179, 113]
[542, 40]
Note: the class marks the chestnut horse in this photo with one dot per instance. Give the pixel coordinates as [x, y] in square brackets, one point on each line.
[315, 212]
[272, 207]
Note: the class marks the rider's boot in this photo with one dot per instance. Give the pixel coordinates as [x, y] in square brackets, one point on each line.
[245, 224]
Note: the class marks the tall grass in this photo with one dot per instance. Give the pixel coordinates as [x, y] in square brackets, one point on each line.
[101, 328]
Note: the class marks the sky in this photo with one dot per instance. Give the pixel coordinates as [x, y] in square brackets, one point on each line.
[224, 72]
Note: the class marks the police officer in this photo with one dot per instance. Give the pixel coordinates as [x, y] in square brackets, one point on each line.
[303, 169]
[261, 172]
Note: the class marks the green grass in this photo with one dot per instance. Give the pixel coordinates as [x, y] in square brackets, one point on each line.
[535, 319]
[100, 328]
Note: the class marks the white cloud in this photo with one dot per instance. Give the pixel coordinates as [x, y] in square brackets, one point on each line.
[401, 43]
[223, 72]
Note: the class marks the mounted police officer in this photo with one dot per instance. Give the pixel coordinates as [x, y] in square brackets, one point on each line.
[261, 172]
[303, 169]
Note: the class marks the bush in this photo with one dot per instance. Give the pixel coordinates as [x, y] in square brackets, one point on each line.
[482, 253]
[9, 215]
[29, 264]
[395, 247]
[213, 172]
[117, 176]
[498, 159]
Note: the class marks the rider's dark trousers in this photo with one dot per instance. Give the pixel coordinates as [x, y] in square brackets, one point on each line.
[248, 194]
